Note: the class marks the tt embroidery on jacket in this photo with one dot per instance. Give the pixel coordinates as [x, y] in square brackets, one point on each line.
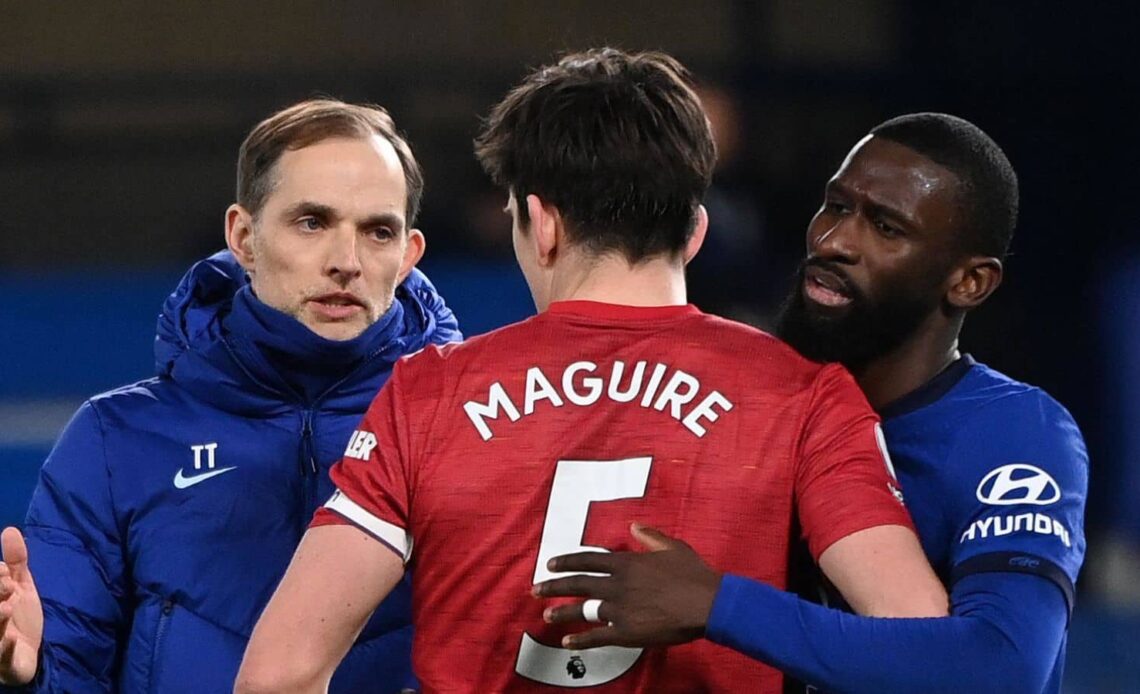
[183, 482]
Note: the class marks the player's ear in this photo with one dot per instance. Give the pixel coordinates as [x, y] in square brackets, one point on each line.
[413, 250]
[697, 238]
[973, 280]
[546, 229]
[239, 236]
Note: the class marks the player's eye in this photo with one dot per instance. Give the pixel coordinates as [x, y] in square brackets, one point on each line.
[383, 233]
[309, 223]
[887, 229]
[835, 207]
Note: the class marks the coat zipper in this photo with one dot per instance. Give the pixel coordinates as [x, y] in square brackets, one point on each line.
[159, 638]
[310, 476]
[308, 459]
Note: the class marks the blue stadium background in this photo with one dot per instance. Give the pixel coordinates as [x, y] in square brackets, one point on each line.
[119, 125]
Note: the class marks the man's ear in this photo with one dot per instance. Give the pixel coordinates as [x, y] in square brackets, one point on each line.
[546, 229]
[973, 280]
[413, 251]
[697, 238]
[239, 236]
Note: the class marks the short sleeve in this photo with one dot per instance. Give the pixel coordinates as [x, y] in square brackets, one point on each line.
[844, 482]
[373, 480]
[1020, 506]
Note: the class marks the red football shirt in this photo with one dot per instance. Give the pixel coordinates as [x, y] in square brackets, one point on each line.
[479, 461]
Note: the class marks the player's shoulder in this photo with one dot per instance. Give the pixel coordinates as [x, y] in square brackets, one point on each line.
[728, 330]
[433, 358]
[762, 352]
[1005, 427]
[990, 399]
[126, 399]
[734, 346]
[136, 407]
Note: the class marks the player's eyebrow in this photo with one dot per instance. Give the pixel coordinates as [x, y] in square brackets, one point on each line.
[883, 210]
[308, 208]
[385, 219]
[874, 206]
[835, 187]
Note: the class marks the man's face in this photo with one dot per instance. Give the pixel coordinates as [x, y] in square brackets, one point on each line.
[330, 244]
[880, 250]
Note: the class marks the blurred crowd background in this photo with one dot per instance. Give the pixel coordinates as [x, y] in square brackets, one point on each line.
[120, 123]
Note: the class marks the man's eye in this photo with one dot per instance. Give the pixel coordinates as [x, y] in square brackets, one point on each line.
[383, 233]
[835, 207]
[887, 230]
[310, 223]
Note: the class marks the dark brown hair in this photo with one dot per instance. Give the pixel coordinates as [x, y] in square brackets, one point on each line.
[618, 142]
[307, 123]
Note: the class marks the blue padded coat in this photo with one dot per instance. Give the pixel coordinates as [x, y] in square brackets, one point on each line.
[169, 509]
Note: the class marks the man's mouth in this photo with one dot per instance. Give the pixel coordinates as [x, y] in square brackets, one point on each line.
[825, 287]
[337, 306]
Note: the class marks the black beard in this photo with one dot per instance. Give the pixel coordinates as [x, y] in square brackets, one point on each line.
[864, 331]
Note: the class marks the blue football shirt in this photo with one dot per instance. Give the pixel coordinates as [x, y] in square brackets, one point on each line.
[995, 474]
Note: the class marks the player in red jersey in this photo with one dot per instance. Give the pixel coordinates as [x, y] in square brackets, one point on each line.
[479, 462]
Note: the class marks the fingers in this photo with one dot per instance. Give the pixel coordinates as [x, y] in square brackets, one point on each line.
[601, 636]
[14, 549]
[593, 562]
[572, 614]
[574, 586]
[653, 539]
[7, 589]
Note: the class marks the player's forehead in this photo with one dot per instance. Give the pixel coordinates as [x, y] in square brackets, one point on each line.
[358, 176]
[896, 177]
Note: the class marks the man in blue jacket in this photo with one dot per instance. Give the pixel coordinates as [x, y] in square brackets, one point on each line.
[169, 509]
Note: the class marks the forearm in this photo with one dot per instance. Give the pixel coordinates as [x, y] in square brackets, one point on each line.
[303, 634]
[280, 659]
[284, 655]
[990, 644]
[256, 679]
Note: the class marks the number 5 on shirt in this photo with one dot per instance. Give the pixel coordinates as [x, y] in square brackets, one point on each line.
[578, 483]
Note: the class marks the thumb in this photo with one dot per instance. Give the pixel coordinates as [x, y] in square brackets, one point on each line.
[14, 550]
[653, 539]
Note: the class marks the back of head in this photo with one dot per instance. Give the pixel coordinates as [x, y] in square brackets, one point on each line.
[988, 196]
[618, 142]
[307, 123]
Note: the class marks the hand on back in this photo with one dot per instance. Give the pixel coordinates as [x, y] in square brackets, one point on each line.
[656, 598]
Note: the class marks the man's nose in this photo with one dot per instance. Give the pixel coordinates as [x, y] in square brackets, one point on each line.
[343, 259]
[839, 240]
